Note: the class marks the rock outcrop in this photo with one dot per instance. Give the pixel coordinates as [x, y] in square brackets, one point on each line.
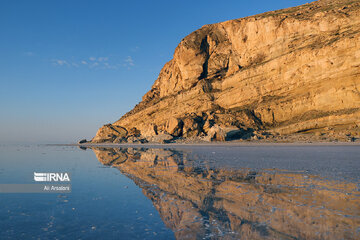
[288, 71]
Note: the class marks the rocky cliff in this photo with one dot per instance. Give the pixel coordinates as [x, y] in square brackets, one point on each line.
[287, 71]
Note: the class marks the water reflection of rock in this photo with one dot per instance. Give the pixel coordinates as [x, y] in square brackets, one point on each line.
[199, 202]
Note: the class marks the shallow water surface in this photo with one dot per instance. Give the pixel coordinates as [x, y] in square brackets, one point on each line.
[208, 192]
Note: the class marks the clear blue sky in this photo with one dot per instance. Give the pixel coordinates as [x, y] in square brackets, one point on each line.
[68, 67]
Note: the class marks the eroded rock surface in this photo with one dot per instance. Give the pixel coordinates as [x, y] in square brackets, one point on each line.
[287, 71]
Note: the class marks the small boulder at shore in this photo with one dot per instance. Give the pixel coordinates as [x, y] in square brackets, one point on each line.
[192, 125]
[133, 139]
[216, 133]
[150, 131]
[174, 127]
[82, 141]
[161, 138]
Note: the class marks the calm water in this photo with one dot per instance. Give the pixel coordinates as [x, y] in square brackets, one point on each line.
[247, 192]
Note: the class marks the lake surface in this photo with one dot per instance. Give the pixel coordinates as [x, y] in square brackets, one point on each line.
[184, 192]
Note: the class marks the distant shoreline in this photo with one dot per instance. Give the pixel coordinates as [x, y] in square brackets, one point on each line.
[211, 144]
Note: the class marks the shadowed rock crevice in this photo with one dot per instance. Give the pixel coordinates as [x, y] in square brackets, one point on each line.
[204, 47]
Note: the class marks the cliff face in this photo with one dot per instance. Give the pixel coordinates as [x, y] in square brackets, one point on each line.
[286, 71]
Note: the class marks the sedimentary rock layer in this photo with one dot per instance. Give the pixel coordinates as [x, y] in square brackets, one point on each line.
[286, 71]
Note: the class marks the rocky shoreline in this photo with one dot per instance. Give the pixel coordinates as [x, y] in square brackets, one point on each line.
[275, 141]
[119, 135]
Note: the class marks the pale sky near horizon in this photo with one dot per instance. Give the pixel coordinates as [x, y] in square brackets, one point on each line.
[68, 67]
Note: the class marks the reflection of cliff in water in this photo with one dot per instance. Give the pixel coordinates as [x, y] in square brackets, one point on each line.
[198, 201]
